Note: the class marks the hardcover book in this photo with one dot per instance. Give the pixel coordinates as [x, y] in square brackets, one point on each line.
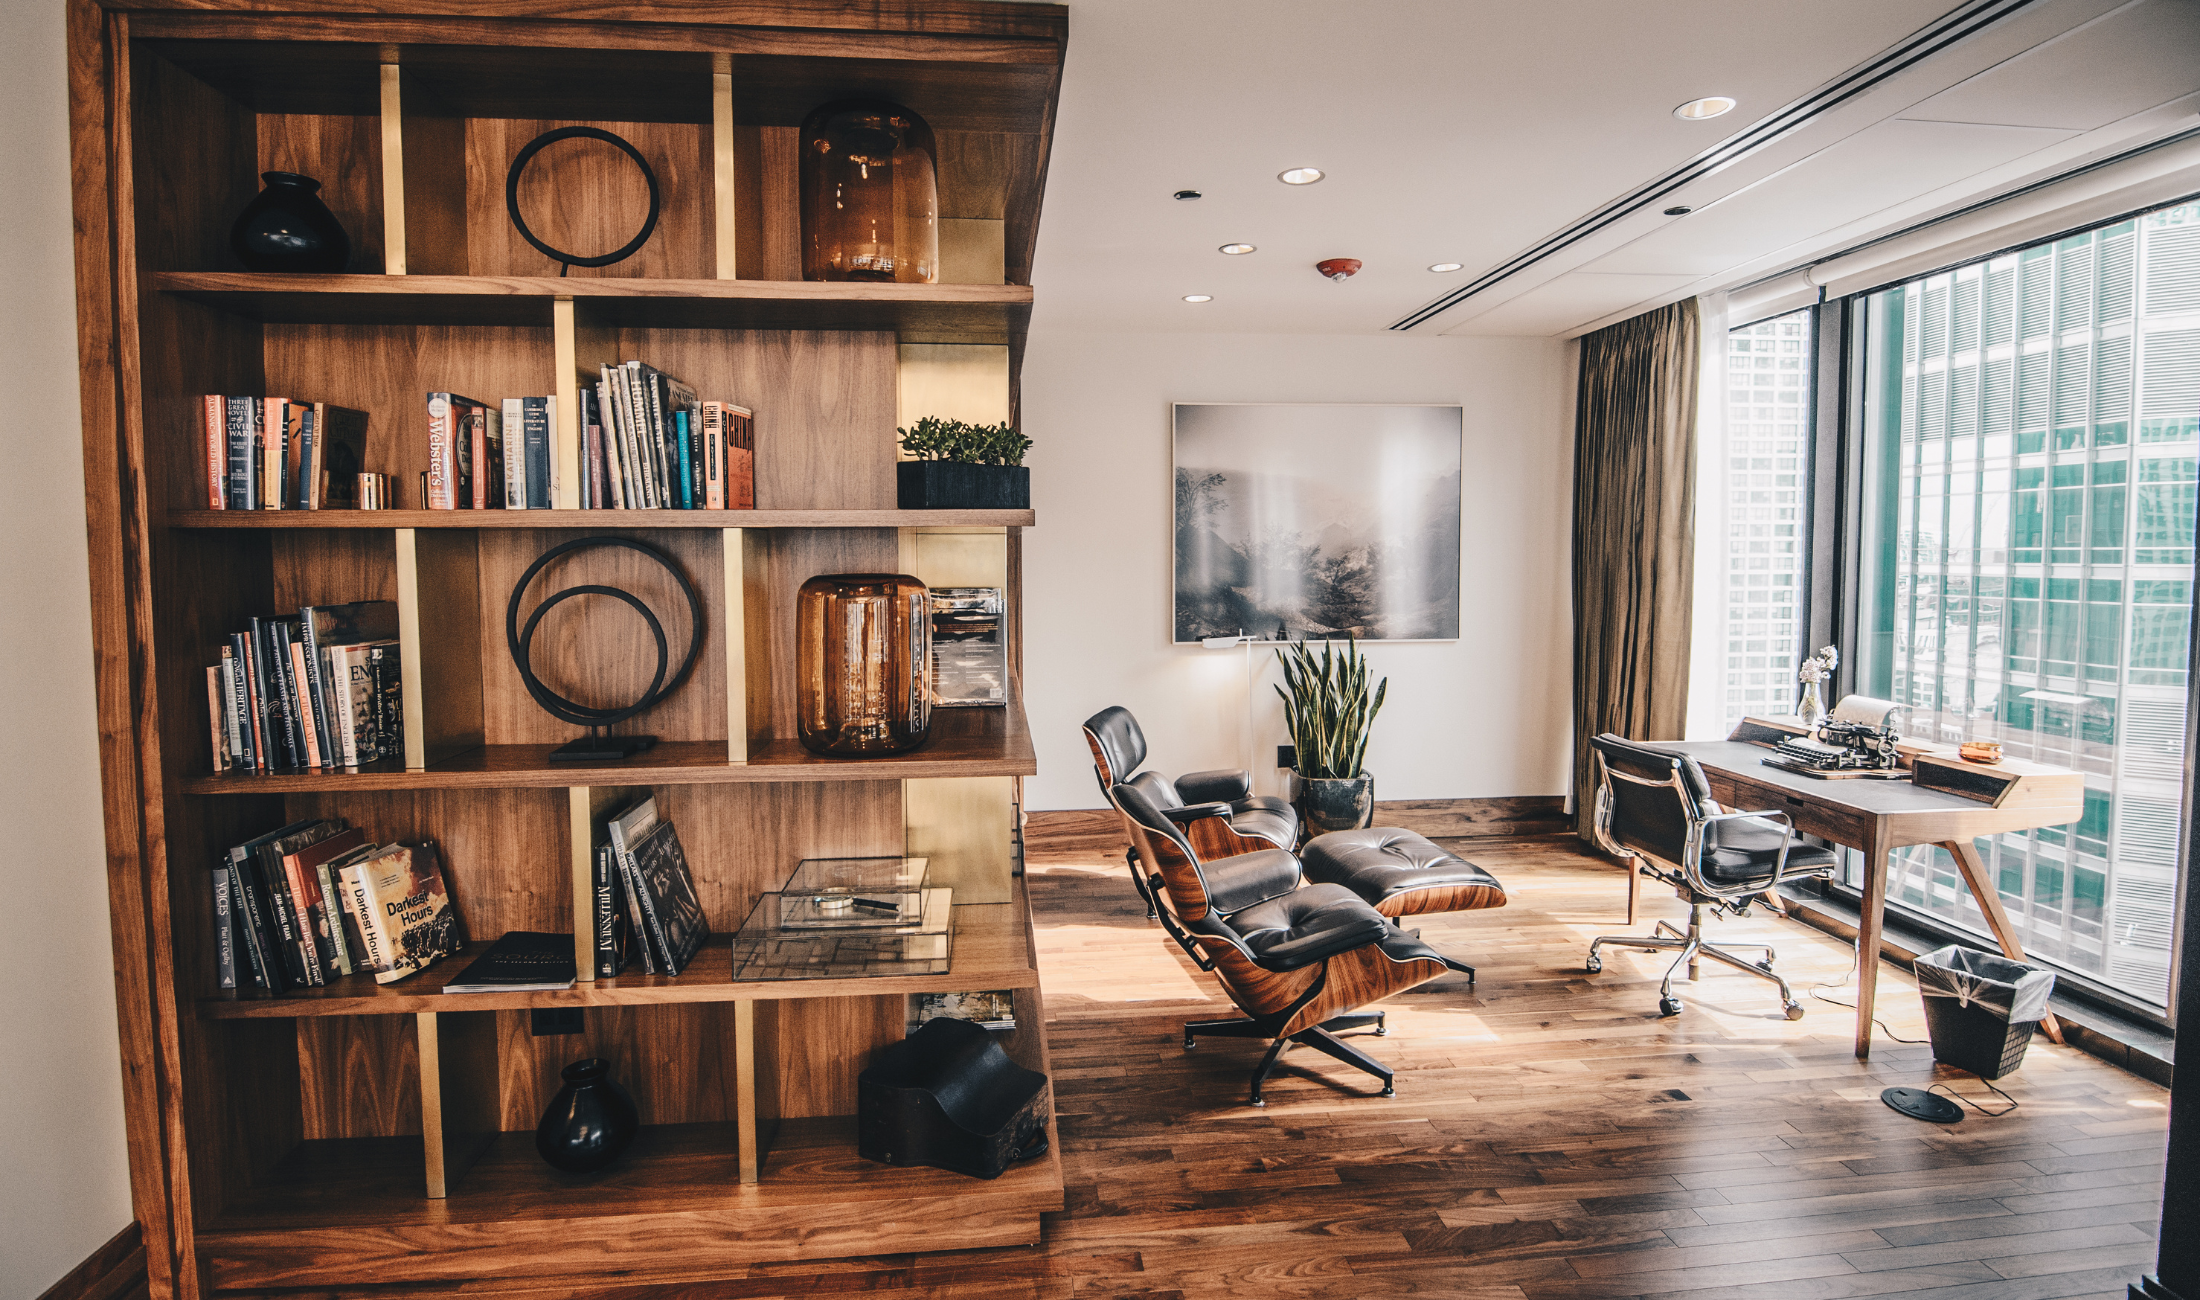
[523, 961]
[242, 426]
[406, 920]
[225, 931]
[608, 889]
[448, 441]
[214, 421]
[674, 914]
[302, 872]
[539, 416]
[339, 455]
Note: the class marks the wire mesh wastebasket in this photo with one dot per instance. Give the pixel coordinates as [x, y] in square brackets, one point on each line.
[1980, 1009]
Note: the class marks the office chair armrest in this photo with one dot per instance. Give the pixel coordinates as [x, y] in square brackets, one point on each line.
[1215, 787]
[1193, 812]
[1319, 945]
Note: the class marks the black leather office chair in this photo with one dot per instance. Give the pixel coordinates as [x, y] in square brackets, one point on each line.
[1300, 962]
[1654, 805]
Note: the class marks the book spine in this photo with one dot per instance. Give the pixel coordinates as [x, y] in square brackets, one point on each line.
[536, 411]
[660, 437]
[319, 698]
[553, 471]
[267, 715]
[216, 728]
[443, 422]
[359, 906]
[233, 718]
[686, 454]
[614, 458]
[714, 456]
[637, 922]
[606, 891]
[273, 448]
[389, 708]
[474, 460]
[242, 417]
[514, 415]
[339, 946]
[275, 654]
[698, 473]
[214, 417]
[309, 728]
[740, 459]
[342, 724]
[246, 701]
[268, 866]
[637, 468]
[308, 452]
[225, 932]
[636, 888]
[258, 932]
[301, 903]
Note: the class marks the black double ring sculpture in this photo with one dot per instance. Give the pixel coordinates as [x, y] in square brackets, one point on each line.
[522, 640]
[569, 260]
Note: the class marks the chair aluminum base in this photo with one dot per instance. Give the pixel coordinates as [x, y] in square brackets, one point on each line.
[1321, 1038]
[1691, 947]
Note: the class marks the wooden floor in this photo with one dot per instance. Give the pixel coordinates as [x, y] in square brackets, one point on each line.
[1551, 1136]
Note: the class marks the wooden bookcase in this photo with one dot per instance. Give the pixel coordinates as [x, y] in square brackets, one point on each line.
[361, 1134]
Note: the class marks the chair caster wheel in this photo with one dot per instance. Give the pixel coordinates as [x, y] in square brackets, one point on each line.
[1260, 1103]
[1765, 966]
[1188, 1043]
[1382, 1026]
[1794, 1011]
[1669, 1006]
[1594, 964]
[1389, 1091]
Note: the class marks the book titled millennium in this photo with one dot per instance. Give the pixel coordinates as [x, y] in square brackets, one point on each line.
[660, 890]
[523, 961]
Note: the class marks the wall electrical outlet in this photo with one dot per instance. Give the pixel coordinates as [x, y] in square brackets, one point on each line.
[1287, 756]
[543, 1022]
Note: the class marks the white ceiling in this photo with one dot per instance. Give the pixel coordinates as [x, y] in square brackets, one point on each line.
[1468, 132]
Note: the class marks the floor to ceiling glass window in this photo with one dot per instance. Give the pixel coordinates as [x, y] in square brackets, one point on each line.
[1768, 372]
[2028, 528]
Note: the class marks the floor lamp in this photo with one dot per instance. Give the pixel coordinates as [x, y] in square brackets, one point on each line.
[1245, 721]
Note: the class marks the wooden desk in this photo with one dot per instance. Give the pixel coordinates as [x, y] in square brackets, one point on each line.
[1876, 817]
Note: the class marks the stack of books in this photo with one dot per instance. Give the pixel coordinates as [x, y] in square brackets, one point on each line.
[646, 909]
[276, 453]
[321, 689]
[483, 457]
[314, 901]
[647, 443]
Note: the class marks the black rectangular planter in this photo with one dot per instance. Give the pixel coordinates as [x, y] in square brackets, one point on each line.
[948, 485]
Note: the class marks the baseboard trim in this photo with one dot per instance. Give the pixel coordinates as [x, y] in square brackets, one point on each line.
[1098, 832]
[114, 1271]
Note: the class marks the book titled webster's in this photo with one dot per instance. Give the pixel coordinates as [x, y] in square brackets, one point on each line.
[404, 913]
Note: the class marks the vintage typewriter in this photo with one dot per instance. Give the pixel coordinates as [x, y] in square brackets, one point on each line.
[1842, 749]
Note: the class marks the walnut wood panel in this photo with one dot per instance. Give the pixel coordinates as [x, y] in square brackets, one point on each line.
[817, 1046]
[331, 568]
[115, 1271]
[858, 29]
[745, 840]
[595, 650]
[773, 569]
[439, 588]
[696, 1040]
[673, 1202]
[773, 195]
[1849, 809]
[437, 194]
[358, 1077]
[344, 153]
[459, 1074]
[990, 952]
[388, 371]
[587, 197]
[259, 1101]
[502, 852]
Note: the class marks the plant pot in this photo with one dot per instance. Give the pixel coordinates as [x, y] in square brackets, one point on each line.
[286, 227]
[949, 485]
[1336, 804]
[589, 1122]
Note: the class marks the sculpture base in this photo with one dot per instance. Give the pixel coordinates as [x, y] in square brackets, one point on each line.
[601, 749]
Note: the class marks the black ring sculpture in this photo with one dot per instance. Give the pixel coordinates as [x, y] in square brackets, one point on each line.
[521, 642]
[566, 260]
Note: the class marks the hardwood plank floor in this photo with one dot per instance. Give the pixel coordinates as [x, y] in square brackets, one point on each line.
[1552, 1137]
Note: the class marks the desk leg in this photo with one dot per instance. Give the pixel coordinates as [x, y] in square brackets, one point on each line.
[1869, 916]
[1997, 918]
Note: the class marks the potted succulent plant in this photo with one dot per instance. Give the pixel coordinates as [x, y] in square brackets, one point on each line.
[1330, 711]
[961, 466]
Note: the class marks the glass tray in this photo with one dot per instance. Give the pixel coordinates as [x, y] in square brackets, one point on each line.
[765, 950]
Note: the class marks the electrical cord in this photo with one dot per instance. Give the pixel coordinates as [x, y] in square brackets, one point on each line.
[1817, 991]
[1990, 1114]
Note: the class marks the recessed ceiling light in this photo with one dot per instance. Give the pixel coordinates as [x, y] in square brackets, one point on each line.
[1442, 267]
[1187, 194]
[1695, 110]
[1199, 297]
[1238, 250]
[1300, 176]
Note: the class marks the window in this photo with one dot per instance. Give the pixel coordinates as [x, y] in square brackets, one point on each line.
[2030, 494]
[1767, 432]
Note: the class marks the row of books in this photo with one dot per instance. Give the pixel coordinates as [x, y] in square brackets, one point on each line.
[648, 443]
[483, 457]
[646, 910]
[315, 901]
[276, 453]
[323, 688]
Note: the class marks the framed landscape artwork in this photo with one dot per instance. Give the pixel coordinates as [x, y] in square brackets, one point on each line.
[1310, 521]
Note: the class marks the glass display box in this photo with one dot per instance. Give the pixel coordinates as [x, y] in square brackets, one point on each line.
[969, 653]
[853, 893]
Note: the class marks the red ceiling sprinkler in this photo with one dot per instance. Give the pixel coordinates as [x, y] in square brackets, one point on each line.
[1339, 269]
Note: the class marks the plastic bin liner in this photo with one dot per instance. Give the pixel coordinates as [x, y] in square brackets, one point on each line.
[2009, 990]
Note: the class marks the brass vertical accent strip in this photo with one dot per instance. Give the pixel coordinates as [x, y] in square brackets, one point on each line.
[432, 1133]
[564, 331]
[408, 648]
[737, 652]
[393, 172]
[580, 822]
[744, 1089]
[721, 136]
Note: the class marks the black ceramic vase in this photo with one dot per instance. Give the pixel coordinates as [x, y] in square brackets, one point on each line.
[287, 228]
[589, 1122]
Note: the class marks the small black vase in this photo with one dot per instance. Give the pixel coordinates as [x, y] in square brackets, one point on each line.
[286, 227]
[589, 1122]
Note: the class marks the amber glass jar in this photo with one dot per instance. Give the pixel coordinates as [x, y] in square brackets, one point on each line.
[863, 663]
[870, 194]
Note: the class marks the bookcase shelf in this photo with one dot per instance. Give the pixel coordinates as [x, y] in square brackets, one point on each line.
[918, 313]
[597, 519]
[358, 1134]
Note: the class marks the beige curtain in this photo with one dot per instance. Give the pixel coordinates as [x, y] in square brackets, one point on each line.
[1634, 534]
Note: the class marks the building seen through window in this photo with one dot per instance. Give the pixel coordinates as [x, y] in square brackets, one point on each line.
[1768, 369]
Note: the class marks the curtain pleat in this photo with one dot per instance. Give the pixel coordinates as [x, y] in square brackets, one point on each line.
[1634, 534]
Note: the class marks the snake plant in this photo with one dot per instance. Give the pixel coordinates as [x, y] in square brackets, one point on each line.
[1328, 709]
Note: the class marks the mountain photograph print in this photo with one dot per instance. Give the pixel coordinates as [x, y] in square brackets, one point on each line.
[1299, 522]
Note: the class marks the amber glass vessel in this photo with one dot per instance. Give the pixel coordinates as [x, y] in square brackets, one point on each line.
[870, 194]
[863, 663]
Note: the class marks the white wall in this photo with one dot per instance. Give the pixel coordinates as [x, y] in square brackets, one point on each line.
[65, 1188]
[1485, 716]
